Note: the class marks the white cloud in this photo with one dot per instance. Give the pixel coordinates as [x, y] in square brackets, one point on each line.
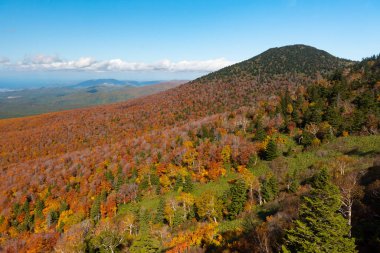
[40, 59]
[4, 61]
[54, 63]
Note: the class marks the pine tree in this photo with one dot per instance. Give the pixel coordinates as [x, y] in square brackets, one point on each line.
[145, 244]
[95, 209]
[320, 228]
[333, 116]
[160, 214]
[285, 101]
[270, 188]
[271, 151]
[260, 132]
[296, 117]
[294, 181]
[109, 176]
[144, 221]
[238, 196]
[40, 205]
[119, 182]
[103, 196]
[178, 186]
[252, 161]
[273, 185]
[357, 120]
[188, 185]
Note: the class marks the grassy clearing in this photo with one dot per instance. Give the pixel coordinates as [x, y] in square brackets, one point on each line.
[261, 168]
[363, 148]
[358, 145]
[219, 186]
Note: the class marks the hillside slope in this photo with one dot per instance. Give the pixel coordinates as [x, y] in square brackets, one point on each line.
[206, 166]
[44, 135]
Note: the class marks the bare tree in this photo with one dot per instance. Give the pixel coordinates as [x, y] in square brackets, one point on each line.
[350, 190]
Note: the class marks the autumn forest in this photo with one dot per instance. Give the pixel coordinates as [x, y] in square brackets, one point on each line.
[278, 153]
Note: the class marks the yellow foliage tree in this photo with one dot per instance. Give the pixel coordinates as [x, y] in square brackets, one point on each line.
[187, 201]
[226, 154]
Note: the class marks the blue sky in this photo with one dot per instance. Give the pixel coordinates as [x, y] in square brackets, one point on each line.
[44, 41]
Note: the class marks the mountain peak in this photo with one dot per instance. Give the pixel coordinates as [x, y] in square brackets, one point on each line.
[291, 59]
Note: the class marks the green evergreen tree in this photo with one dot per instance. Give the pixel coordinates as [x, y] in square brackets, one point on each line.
[95, 209]
[315, 114]
[285, 100]
[296, 117]
[273, 185]
[145, 244]
[252, 161]
[63, 206]
[270, 188]
[119, 178]
[306, 139]
[103, 196]
[160, 214]
[144, 220]
[154, 179]
[188, 185]
[119, 182]
[357, 120]
[333, 116]
[26, 206]
[134, 176]
[28, 223]
[158, 189]
[144, 185]
[266, 191]
[109, 176]
[320, 228]
[40, 205]
[294, 185]
[237, 196]
[178, 218]
[178, 184]
[271, 151]
[299, 101]
[294, 181]
[260, 134]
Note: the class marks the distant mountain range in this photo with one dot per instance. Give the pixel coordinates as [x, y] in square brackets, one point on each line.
[18, 103]
[113, 82]
[5, 90]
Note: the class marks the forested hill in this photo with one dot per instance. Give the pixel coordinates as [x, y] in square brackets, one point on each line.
[287, 60]
[224, 90]
[210, 166]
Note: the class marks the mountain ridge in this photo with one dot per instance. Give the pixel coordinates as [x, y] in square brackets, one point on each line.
[111, 81]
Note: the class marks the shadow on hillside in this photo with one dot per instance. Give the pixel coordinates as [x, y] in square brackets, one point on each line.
[366, 211]
[357, 152]
[372, 174]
